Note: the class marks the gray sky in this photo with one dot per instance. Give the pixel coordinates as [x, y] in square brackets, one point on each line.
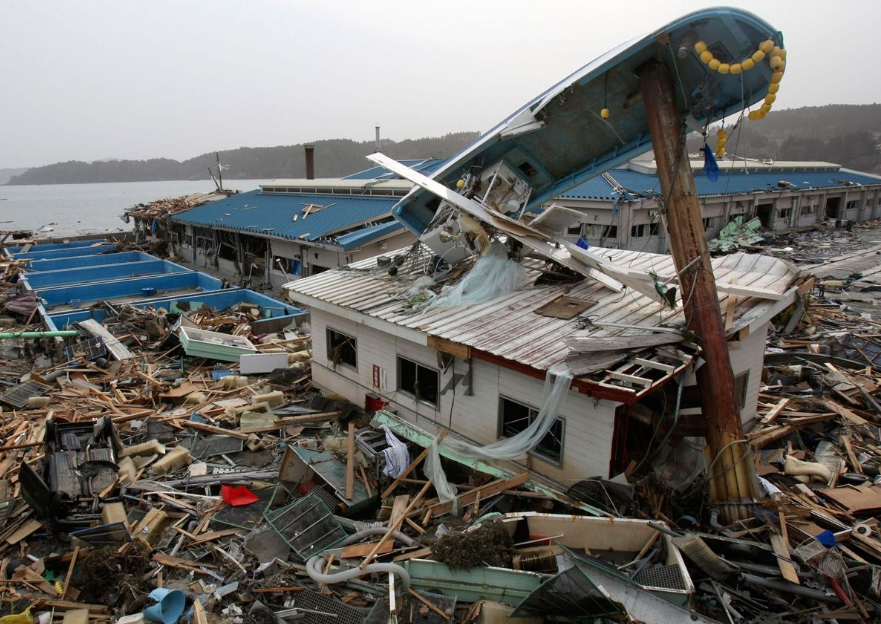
[98, 79]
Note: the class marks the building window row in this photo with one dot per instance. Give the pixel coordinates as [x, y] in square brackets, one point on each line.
[423, 384]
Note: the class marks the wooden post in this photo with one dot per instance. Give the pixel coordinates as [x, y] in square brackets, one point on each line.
[350, 463]
[733, 480]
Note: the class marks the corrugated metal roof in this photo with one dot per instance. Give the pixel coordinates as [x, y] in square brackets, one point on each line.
[729, 183]
[425, 166]
[367, 234]
[509, 326]
[272, 215]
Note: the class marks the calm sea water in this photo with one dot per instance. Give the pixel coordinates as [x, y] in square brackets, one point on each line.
[71, 209]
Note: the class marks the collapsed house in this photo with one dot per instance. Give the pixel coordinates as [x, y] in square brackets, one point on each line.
[477, 369]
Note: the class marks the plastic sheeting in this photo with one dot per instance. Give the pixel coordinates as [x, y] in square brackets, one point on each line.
[557, 382]
[493, 275]
[397, 457]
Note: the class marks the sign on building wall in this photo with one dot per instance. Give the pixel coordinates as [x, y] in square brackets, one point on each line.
[380, 380]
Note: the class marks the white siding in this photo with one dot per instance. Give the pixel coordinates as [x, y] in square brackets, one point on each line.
[588, 428]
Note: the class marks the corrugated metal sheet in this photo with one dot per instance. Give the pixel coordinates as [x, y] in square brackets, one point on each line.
[509, 327]
[729, 183]
[272, 215]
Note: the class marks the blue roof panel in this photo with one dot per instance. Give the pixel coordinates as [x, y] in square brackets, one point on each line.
[273, 215]
[368, 234]
[729, 183]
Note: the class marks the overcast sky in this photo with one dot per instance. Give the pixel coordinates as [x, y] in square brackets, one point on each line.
[100, 79]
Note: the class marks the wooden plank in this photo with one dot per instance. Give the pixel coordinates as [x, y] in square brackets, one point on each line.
[416, 554]
[640, 381]
[667, 368]
[395, 526]
[781, 548]
[362, 550]
[199, 616]
[775, 411]
[490, 489]
[70, 567]
[851, 456]
[448, 346]
[216, 430]
[398, 507]
[394, 484]
[119, 350]
[350, 463]
[28, 528]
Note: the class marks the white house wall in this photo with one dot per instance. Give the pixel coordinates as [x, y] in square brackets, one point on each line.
[588, 424]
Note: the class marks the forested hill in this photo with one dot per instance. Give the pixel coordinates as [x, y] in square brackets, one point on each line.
[840, 133]
[333, 158]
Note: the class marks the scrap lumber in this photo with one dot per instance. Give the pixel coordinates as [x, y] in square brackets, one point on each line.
[413, 464]
[350, 462]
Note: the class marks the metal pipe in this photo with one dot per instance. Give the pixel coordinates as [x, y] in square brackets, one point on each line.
[791, 588]
[62, 333]
[310, 161]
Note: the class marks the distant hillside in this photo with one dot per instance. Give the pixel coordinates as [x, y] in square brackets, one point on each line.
[840, 133]
[7, 174]
[333, 158]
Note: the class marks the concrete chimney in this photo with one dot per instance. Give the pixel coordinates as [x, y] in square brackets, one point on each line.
[310, 161]
[377, 148]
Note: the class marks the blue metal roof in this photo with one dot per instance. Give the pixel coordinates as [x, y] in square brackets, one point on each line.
[272, 215]
[365, 235]
[425, 166]
[729, 183]
[595, 188]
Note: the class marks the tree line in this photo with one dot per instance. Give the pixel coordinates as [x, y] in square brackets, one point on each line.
[333, 158]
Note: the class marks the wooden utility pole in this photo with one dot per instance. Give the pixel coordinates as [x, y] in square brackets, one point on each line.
[733, 482]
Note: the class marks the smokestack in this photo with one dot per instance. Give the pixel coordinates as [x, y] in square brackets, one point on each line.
[310, 161]
[377, 148]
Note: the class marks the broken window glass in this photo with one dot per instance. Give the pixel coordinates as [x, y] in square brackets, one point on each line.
[342, 349]
[420, 381]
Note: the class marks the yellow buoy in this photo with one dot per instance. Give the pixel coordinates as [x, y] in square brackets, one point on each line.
[706, 56]
[714, 64]
[783, 53]
[753, 116]
[720, 152]
[776, 77]
[758, 56]
[736, 68]
[723, 68]
[770, 98]
[765, 108]
[700, 47]
[460, 184]
[748, 64]
[767, 46]
[775, 51]
[776, 62]
[773, 88]
[604, 113]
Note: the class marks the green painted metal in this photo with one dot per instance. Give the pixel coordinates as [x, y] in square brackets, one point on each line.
[499, 584]
[424, 439]
[40, 334]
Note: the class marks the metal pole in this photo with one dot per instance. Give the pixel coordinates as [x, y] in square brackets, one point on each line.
[732, 472]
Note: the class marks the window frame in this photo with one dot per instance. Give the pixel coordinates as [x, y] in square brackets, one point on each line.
[536, 452]
[741, 400]
[331, 346]
[433, 404]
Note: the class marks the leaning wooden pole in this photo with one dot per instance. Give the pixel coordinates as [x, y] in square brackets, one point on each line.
[733, 483]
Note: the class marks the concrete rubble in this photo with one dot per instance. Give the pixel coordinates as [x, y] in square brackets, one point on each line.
[142, 483]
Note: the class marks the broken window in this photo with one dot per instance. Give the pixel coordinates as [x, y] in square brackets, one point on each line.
[514, 417]
[315, 269]
[341, 349]
[807, 209]
[654, 229]
[420, 381]
[851, 205]
[741, 383]
[574, 230]
[637, 231]
[610, 231]
[784, 213]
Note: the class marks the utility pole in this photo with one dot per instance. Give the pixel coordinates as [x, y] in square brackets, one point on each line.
[733, 483]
